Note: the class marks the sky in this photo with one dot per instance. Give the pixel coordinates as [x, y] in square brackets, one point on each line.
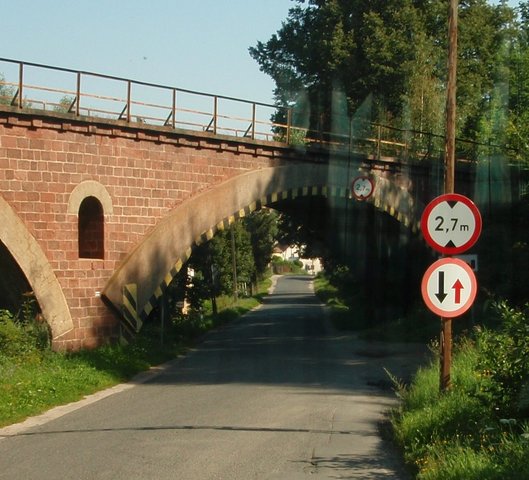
[199, 45]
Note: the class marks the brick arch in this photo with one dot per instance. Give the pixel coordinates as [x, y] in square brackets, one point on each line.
[397, 201]
[90, 188]
[141, 279]
[35, 266]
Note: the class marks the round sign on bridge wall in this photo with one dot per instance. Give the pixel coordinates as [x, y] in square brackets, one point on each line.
[451, 223]
[362, 187]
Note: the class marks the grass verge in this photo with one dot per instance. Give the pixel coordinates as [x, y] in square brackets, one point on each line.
[417, 325]
[479, 428]
[458, 434]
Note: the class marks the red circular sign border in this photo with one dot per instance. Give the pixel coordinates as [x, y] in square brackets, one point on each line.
[447, 197]
[473, 282]
[362, 177]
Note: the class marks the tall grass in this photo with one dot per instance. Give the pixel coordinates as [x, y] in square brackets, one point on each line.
[32, 387]
[348, 313]
[32, 380]
[463, 433]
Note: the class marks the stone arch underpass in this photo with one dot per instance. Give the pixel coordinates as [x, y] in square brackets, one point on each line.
[136, 286]
[36, 267]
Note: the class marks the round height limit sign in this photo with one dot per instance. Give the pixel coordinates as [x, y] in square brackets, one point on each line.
[451, 223]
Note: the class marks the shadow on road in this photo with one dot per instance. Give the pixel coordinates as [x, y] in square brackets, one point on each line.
[289, 341]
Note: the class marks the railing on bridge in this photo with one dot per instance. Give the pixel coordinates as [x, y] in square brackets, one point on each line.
[29, 85]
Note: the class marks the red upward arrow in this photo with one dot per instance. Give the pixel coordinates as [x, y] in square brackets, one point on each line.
[458, 286]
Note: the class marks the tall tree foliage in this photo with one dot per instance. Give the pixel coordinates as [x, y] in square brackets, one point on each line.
[483, 33]
[213, 262]
[223, 257]
[394, 50]
[6, 92]
[517, 130]
[263, 229]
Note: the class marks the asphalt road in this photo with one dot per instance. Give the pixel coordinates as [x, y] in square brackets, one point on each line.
[277, 395]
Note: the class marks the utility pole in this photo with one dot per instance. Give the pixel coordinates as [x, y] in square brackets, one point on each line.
[234, 263]
[212, 279]
[449, 185]
[451, 99]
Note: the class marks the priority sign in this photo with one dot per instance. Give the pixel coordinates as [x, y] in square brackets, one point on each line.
[449, 287]
[451, 223]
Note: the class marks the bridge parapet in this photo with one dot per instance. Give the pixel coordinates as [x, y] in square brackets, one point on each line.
[89, 95]
[28, 85]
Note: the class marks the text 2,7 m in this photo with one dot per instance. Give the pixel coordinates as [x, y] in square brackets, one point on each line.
[441, 220]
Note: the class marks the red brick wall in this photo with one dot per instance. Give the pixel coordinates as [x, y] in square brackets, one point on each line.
[146, 172]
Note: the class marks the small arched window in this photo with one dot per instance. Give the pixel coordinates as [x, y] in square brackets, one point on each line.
[91, 229]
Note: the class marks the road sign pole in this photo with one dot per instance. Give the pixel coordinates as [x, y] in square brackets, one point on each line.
[451, 99]
[446, 331]
[445, 359]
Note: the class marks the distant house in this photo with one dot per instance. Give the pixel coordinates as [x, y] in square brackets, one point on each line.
[291, 253]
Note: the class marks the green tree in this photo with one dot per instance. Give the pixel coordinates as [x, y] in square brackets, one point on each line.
[305, 223]
[263, 229]
[65, 104]
[361, 47]
[484, 30]
[310, 53]
[394, 50]
[424, 96]
[212, 262]
[222, 257]
[7, 92]
[391, 33]
[517, 53]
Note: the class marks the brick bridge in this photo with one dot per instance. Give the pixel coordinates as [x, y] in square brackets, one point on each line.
[100, 214]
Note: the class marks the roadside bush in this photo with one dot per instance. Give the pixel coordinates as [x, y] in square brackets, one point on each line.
[190, 326]
[324, 290]
[504, 361]
[12, 338]
[286, 266]
[22, 335]
[500, 456]
[477, 429]
[344, 316]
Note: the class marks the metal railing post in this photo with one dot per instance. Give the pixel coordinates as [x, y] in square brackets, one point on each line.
[215, 112]
[289, 125]
[20, 83]
[78, 95]
[253, 120]
[379, 141]
[173, 120]
[129, 90]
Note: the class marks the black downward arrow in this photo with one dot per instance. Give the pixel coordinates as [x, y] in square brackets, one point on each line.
[441, 295]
